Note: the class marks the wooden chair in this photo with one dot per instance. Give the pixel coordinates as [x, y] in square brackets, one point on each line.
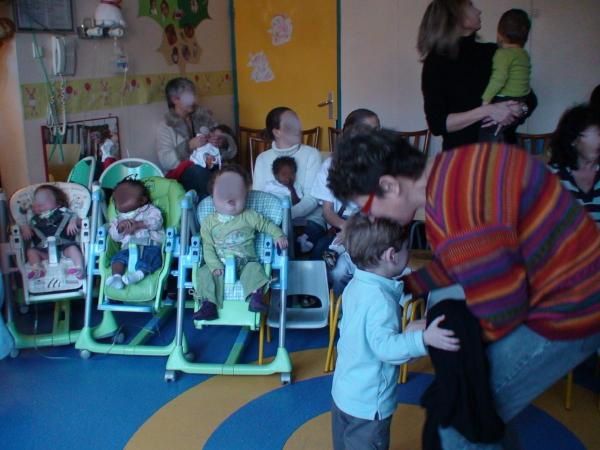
[536, 144]
[334, 316]
[334, 136]
[311, 137]
[256, 146]
[418, 139]
[244, 135]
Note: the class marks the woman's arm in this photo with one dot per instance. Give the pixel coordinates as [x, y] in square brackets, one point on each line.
[504, 113]
[331, 216]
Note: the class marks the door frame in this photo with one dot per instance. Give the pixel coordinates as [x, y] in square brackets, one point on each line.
[236, 99]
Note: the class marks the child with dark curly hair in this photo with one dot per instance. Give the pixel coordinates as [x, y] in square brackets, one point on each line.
[140, 222]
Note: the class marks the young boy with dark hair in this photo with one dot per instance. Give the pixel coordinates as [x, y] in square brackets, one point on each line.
[372, 346]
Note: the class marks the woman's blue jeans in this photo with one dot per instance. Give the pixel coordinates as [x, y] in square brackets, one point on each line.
[523, 365]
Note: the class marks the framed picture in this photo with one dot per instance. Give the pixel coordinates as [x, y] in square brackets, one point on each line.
[44, 15]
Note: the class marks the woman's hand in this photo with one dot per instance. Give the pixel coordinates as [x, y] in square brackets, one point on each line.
[196, 142]
[503, 113]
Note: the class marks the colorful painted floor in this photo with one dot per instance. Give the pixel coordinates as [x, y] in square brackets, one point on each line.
[52, 399]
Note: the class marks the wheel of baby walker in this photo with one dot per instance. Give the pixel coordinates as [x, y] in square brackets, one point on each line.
[85, 354]
[189, 356]
[14, 352]
[286, 378]
[170, 376]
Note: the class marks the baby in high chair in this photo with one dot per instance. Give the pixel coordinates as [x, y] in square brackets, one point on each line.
[230, 231]
[52, 218]
[140, 222]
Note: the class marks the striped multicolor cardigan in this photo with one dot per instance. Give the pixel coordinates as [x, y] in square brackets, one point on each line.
[523, 249]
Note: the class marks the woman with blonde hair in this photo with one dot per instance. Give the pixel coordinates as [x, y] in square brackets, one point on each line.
[456, 70]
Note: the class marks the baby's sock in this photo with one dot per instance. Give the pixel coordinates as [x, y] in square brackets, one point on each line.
[133, 277]
[115, 281]
[305, 245]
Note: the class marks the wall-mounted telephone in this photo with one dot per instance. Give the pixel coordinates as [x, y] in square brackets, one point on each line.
[63, 56]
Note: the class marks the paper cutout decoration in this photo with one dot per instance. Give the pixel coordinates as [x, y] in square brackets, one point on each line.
[281, 29]
[178, 19]
[261, 70]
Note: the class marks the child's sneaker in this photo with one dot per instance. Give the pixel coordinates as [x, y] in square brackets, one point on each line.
[256, 303]
[133, 277]
[207, 311]
[115, 281]
[330, 257]
[305, 245]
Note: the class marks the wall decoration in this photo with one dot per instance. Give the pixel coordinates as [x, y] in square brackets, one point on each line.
[261, 70]
[281, 29]
[83, 95]
[178, 19]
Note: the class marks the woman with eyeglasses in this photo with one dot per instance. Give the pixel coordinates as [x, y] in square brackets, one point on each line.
[525, 252]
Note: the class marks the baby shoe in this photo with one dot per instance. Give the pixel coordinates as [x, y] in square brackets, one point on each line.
[256, 303]
[133, 277]
[78, 272]
[207, 311]
[36, 273]
[115, 281]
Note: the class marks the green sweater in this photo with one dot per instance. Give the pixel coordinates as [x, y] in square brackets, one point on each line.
[224, 236]
[511, 69]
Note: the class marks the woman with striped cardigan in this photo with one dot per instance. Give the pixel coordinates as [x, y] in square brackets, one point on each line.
[525, 252]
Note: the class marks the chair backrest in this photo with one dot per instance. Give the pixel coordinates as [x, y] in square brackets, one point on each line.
[83, 172]
[166, 195]
[244, 136]
[128, 168]
[536, 144]
[255, 147]
[311, 137]
[334, 136]
[263, 203]
[419, 139]
[79, 200]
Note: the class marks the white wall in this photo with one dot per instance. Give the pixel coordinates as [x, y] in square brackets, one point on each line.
[137, 123]
[381, 68]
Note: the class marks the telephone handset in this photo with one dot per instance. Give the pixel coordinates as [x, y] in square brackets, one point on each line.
[63, 56]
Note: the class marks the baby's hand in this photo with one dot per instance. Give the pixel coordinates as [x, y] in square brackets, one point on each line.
[73, 227]
[282, 243]
[26, 232]
[217, 272]
[416, 325]
[197, 141]
[125, 226]
[440, 337]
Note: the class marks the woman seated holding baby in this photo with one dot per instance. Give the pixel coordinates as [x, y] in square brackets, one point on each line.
[190, 143]
[284, 128]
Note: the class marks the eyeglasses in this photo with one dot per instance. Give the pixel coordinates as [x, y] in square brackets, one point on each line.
[366, 209]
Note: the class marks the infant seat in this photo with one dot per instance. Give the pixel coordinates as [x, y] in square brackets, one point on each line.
[234, 310]
[128, 168]
[56, 286]
[145, 296]
[56, 283]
